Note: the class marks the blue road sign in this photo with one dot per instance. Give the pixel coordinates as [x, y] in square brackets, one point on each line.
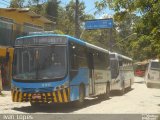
[99, 24]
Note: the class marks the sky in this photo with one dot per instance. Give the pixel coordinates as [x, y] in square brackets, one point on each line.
[90, 8]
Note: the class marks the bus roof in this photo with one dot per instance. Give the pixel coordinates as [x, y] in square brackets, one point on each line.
[122, 56]
[96, 47]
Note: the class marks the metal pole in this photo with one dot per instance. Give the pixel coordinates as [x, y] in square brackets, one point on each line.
[110, 41]
[76, 20]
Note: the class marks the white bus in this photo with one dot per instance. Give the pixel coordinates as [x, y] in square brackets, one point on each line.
[122, 73]
[152, 76]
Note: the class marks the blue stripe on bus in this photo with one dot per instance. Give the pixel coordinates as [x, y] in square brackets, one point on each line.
[28, 36]
[76, 40]
[46, 85]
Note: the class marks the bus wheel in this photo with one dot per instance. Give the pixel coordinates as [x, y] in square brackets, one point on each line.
[35, 104]
[122, 91]
[107, 91]
[80, 102]
[130, 86]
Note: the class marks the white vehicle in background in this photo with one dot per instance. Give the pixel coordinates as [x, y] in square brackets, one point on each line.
[152, 76]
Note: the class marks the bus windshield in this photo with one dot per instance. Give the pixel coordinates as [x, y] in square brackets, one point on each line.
[155, 65]
[38, 63]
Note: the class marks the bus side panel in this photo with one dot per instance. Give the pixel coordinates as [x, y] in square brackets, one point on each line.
[101, 77]
[129, 75]
[82, 77]
[123, 71]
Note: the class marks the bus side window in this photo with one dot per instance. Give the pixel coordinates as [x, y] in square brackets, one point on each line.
[73, 60]
[73, 56]
[82, 56]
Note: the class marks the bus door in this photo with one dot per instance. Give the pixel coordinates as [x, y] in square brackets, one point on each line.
[114, 71]
[91, 73]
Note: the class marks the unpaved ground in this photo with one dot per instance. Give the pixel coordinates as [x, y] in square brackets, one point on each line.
[139, 100]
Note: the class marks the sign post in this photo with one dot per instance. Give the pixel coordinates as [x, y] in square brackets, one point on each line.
[0, 81]
[101, 24]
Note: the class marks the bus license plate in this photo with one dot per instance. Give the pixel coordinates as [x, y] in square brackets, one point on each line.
[36, 96]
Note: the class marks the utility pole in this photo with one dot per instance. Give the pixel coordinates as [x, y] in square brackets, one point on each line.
[76, 20]
[110, 40]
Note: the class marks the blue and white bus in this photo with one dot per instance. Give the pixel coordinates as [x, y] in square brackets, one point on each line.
[122, 72]
[51, 68]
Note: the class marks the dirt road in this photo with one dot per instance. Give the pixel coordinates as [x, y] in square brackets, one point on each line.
[139, 100]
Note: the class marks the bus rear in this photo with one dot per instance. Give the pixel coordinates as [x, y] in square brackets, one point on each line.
[122, 76]
[40, 70]
[152, 77]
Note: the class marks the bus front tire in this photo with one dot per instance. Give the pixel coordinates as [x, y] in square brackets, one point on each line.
[122, 91]
[130, 87]
[107, 95]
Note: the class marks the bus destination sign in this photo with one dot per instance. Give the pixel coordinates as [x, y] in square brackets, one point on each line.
[41, 40]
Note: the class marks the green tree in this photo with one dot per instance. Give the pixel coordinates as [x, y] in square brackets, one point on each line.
[16, 3]
[147, 25]
[66, 17]
[66, 21]
[52, 9]
[47, 8]
[38, 6]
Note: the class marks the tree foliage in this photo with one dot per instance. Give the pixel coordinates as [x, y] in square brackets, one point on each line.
[52, 9]
[145, 44]
[16, 3]
[146, 25]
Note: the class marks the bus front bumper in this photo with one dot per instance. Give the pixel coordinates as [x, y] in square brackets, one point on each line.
[59, 96]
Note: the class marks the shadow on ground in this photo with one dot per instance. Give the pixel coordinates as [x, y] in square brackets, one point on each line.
[117, 92]
[58, 108]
